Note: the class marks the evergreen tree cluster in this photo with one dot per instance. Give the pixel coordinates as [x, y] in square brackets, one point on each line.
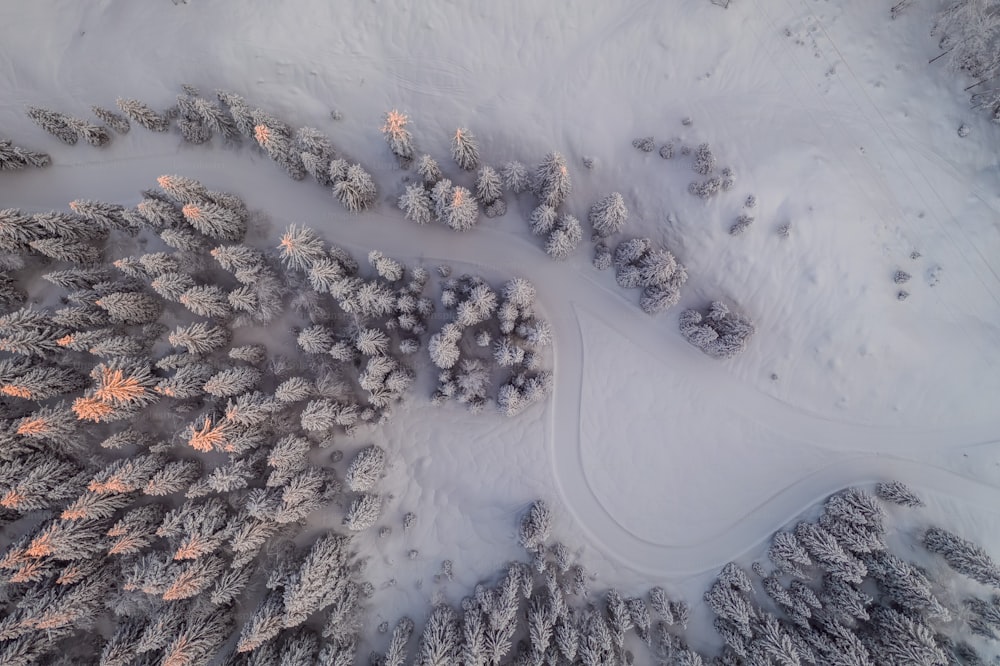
[639, 264]
[154, 465]
[832, 593]
[551, 184]
[67, 128]
[721, 333]
[968, 38]
[489, 330]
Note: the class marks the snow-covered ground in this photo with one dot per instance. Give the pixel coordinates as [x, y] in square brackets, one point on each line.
[662, 463]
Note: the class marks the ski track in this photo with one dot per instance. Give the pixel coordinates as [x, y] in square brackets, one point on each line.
[867, 452]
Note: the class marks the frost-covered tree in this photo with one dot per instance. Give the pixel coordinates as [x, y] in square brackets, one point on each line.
[552, 183]
[14, 157]
[115, 121]
[171, 286]
[143, 115]
[207, 300]
[416, 204]
[319, 581]
[465, 149]
[363, 512]
[460, 212]
[233, 381]
[356, 191]
[962, 555]
[489, 186]
[720, 334]
[215, 221]
[398, 136]
[543, 219]
[899, 493]
[95, 135]
[439, 642]
[55, 123]
[300, 248]
[608, 215]
[365, 469]
[200, 338]
[704, 160]
[536, 525]
[565, 237]
[515, 176]
[428, 170]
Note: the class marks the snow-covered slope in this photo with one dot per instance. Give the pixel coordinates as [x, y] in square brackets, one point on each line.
[662, 463]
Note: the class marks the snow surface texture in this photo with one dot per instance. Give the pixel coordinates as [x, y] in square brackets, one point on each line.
[827, 111]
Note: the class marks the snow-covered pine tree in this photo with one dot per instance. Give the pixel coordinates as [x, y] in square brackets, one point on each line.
[543, 219]
[515, 176]
[143, 115]
[364, 511]
[536, 525]
[962, 555]
[439, 642]
[899, 493]
[115, 121]
[461, 211]
[416, 204]
[207, 300]
[53, 122]
[465, 149]
[565, 237]
[356, 191]
[95, 135]
[365, 469]
[215, 221]
[233, 381]
[489, 186]
[608, 215]
[14, 157]
[552, 182]
[428, 170]
[398, 136]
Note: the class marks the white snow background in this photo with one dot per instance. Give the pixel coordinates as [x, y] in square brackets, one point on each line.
[661, 463]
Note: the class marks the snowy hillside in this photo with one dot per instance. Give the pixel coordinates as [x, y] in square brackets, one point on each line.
[865, 252]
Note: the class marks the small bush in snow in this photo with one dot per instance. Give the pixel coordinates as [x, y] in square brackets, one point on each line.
[720, 333]
[645, 144]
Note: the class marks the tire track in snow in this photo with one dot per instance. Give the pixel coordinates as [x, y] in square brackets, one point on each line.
[870, 451]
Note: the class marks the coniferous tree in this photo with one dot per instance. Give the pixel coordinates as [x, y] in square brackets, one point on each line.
[363, 512]
[300, 248]
[130, 307]
[356, 191]
[95, 135]
[565, 237]
[233, 381]
[962, 555]
[13, 157]
[552, 181]
[515, 176]
[489, 186]
[608, 215]
[465, 149]
[215, 221]
[461, 212]
[543, 219]
[207, 301]
[115, 121]
[398, 136]
[143, 115]
[439, 642]
[74, 252]
[416, 204]
[428, 170]
[200, 338]
[365, 469]
[898, 493]
[55, 123]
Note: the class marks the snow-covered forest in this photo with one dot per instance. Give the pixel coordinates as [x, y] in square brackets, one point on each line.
[326, 337]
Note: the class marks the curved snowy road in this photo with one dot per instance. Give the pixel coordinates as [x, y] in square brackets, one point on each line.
[863, 452]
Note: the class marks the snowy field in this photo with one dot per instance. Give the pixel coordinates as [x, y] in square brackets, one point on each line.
[660, 464]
